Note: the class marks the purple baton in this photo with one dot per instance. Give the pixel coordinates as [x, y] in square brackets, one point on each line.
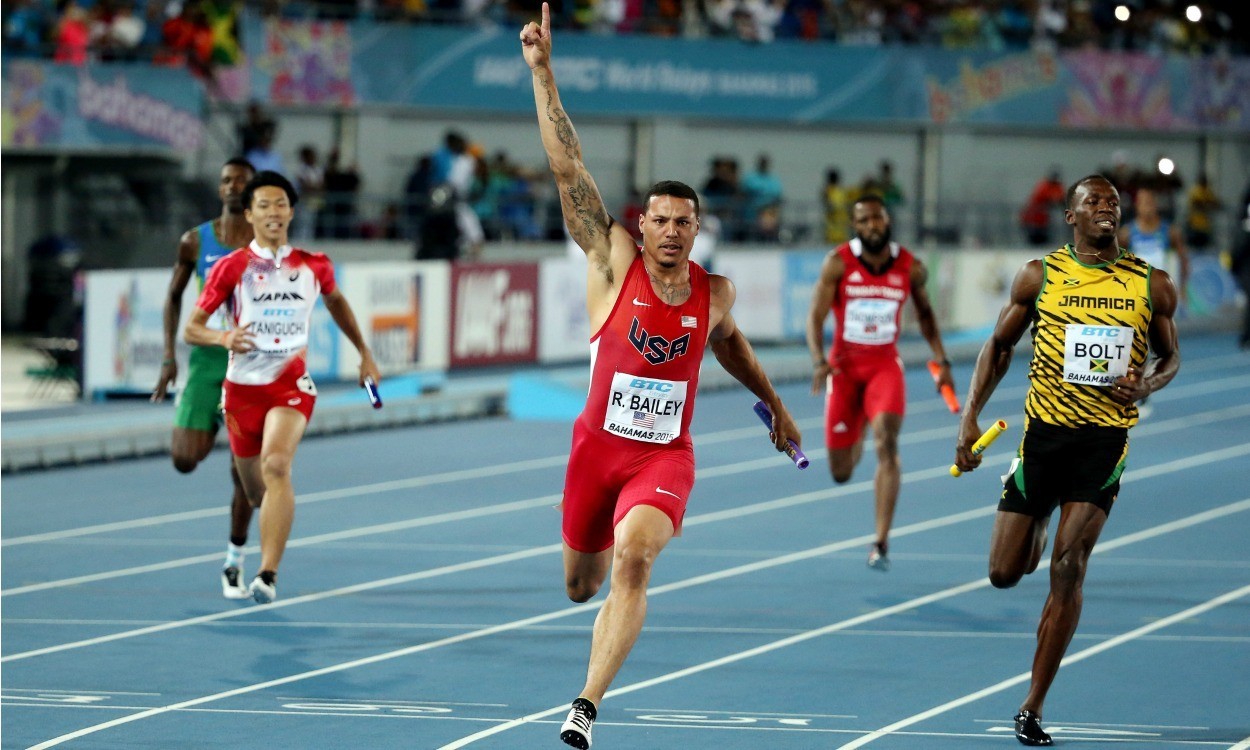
[794, 452]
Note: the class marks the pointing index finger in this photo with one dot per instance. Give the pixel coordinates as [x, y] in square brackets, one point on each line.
[546, 19]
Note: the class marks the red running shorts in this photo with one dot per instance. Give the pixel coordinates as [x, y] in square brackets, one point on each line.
[608, 476]
[859, 390]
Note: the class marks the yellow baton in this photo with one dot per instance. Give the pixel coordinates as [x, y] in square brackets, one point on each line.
[982, 443]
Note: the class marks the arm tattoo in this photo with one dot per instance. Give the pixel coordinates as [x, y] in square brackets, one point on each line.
[563, 125]
[587, 217]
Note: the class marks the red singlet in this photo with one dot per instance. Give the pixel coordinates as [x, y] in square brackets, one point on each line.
[867, 374]
[631, 444]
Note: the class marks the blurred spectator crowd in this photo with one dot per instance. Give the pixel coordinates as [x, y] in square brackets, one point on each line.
[198, 34]
[204, 33]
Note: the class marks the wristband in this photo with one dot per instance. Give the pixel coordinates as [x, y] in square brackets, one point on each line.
[944, 362]
[166, 362]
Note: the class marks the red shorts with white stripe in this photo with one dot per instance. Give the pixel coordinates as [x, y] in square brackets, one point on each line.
[860, 389]
[608, 476]
[248, 405]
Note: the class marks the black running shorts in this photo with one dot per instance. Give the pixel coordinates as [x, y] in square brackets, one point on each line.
[1065, 465]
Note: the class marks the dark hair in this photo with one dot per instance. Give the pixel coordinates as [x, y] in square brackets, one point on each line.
[239, 161]
[870, 198]
[675, 189]
[1087, 178]
[269, 179]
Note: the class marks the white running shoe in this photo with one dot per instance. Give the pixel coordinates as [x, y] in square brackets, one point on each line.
[231, 586]
[261, 592]
[878, 558]
[575, 730]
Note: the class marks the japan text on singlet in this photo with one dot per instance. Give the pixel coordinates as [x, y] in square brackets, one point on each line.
[211, 251]
[867, 307]
[644, 362]
[275, 294]
[1090, 325]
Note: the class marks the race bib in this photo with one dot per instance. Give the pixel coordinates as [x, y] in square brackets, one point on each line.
[1096, 355]
[306, 384]
[645, 409]
[871, 321]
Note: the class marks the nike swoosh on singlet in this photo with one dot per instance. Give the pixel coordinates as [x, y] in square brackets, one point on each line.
[641, 304]
[666, 492]
[211, 259]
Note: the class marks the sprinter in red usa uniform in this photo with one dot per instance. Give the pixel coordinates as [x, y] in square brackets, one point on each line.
[653, 312]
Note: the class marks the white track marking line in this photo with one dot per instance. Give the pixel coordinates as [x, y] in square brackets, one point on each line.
[1161, 426]
[916, 603]
[1082, 655]
[1177, 465]
[1243, 745]
[688, 583]
[509, 626]
[304, 498]
[738, 433]
[335, 536]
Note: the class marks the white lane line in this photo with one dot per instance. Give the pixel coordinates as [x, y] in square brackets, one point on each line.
[464, 515]
[353, 491]
[590, 606]
[384, 528]
[710, 438]
[884, 612]
[427, 480]
[1154, 428]
[1082, 655]
[504, 559]
[510, 626]
[305, 599]
[911, 476]
[752, 509]
[1243, 745]
[334, 536]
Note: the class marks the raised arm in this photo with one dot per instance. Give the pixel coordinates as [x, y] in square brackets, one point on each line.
[584, 212]
[184, 267]
[995, 358]
[822, 300]
[928, 321]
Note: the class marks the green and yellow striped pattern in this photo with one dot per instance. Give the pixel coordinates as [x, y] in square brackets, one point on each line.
[1126, 283]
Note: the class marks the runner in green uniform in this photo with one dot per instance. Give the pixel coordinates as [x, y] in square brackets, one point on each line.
[199, 402]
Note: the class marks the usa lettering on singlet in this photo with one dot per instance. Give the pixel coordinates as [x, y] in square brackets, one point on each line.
[1091, 324]
[645, 361]
[275, 294]
[867, 306]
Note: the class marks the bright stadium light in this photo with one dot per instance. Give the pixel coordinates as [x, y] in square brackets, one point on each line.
[1166, 166]
[1122, 13]
[1193, 13]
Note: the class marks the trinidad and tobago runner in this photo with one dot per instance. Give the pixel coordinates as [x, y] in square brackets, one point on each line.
[865, 283]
